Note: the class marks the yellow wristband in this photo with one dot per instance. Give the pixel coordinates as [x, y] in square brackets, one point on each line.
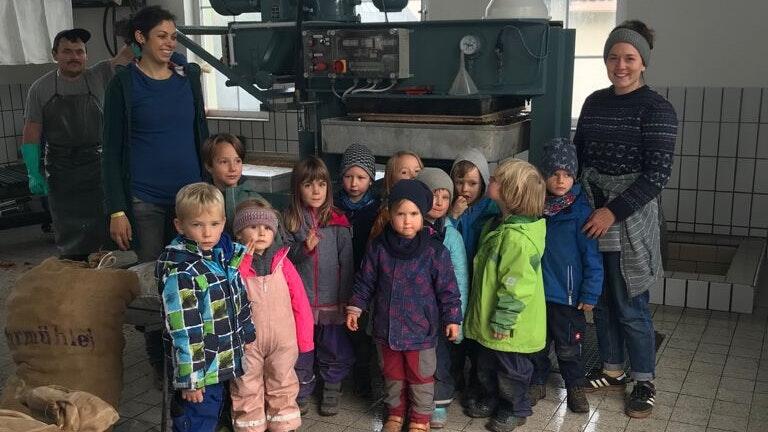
[117, 214]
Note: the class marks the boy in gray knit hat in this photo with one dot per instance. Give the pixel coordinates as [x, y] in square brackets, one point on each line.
[441, 185]
[361, 205]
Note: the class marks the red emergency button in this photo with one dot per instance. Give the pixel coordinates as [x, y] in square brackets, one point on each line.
[320, 66]
[340, 66]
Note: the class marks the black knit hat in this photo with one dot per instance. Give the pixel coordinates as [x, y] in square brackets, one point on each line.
[360, 156]
[414, 191]
[559, 154]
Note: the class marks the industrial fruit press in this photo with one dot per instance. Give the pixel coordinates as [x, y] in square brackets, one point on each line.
[498, 79]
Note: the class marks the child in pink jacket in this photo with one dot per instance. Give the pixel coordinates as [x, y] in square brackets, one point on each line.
[264, 398]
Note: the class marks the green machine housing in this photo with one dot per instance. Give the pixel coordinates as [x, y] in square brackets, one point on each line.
[326, 64]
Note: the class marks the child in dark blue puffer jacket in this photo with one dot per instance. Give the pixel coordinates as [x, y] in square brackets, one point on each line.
[573, 273]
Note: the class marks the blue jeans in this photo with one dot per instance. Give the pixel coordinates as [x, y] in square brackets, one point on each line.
[198, 417]
[623, 320]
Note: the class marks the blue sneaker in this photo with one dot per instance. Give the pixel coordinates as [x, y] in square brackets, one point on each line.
[439, 418]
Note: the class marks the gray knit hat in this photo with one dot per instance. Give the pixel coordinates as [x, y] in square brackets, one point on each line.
[360, 156]
[250, 216]
[631, 37]
[435, 178]
[559, 154]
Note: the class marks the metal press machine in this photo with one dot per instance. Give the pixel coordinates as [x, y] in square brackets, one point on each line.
[502, 84]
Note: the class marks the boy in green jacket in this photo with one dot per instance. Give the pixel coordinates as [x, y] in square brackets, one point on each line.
[507, 312]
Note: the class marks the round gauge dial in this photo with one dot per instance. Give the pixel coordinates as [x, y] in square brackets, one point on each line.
[470, 44]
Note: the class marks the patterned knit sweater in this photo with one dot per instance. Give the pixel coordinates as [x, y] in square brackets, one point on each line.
[624, 134]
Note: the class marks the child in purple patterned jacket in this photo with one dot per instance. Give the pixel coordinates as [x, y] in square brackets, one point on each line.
[408, 278]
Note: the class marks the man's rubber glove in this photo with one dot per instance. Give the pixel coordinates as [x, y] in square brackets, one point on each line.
[31, 154]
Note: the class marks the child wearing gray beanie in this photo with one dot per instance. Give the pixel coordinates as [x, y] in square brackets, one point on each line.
[442, 229]
[360, 203]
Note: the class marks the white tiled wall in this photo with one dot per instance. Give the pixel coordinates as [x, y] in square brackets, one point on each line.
[719, 182]
[277, 136]
[12, 98]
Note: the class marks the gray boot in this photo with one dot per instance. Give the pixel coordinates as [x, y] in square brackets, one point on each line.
[329, 406]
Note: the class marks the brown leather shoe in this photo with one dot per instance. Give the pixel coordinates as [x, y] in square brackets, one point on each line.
[393, 424]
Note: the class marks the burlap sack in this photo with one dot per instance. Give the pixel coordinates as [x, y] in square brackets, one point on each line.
[74, 411]
[65, 327]
[14, 421]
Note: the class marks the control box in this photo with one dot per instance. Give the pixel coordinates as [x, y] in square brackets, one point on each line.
[352, 53]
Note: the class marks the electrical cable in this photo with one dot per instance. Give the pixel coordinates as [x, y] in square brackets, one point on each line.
[500, 42]
[347, 91]
[382, 90]
[367, 89]
[386, 16]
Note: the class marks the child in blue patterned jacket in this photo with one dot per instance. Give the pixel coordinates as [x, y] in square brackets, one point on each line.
[408, 278]
[206, 309]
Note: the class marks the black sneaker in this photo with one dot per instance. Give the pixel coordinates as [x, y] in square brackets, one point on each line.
[505, 421]
[641, 400]
[577, 400]
[597, 380]
[536, 392]
[482, 408]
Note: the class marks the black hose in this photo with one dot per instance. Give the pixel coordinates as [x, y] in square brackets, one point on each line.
[114, 31]
[104, 30]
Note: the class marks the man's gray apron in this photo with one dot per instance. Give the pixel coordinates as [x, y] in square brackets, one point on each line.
[73, 130]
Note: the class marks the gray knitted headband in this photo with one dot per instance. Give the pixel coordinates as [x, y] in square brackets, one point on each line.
[255, 216]
[631, 37]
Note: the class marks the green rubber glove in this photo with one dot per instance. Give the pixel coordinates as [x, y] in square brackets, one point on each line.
[31, 154]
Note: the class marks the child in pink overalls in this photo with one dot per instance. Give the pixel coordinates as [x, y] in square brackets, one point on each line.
[264, 398]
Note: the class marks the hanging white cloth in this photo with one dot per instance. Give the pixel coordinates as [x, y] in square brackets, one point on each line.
[27, 28]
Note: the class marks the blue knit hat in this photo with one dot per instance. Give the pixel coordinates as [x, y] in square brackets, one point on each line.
[559, 154]
[414, 191]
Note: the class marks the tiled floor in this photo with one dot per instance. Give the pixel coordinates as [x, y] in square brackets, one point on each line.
[712, 373]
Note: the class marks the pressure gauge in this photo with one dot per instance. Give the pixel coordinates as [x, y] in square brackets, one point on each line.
[470, 44]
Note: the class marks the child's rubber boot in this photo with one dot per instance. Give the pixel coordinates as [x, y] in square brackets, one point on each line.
[439, 418]
[418, 427]
[393, 424]
[329, 405]
[505, 421]
[303, 406]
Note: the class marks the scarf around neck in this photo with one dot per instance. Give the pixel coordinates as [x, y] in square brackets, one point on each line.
[401, 247]
[555, 204]
[346, 203]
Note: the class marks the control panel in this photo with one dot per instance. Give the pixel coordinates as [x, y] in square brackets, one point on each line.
[351, 53]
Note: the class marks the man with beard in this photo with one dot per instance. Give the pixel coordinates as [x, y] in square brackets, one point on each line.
[64, 108]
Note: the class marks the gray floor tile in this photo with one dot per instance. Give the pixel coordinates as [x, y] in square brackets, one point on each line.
[727, 423]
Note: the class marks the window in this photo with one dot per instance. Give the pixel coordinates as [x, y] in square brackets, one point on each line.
[220, 99]
[593, 21]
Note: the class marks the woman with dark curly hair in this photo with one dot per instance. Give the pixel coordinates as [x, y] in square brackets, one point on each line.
[625, 141]
[154, 126]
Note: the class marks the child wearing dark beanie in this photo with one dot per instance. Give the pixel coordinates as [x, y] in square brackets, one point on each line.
[408, 278]
[573, 273]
